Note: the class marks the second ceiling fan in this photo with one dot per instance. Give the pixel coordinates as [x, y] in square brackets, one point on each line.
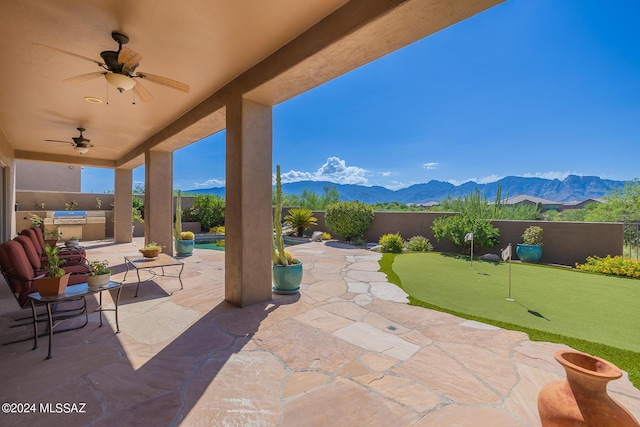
[120, 70]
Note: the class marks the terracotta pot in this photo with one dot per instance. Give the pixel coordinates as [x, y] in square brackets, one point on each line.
[52, 286]
[51, 242]
[582, 399]
[150, 253]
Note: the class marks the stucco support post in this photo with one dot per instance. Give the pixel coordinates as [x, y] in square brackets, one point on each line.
[158, 199]
[123, 198]
[248, 223]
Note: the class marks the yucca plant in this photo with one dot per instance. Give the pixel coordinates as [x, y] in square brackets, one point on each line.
[300, 220]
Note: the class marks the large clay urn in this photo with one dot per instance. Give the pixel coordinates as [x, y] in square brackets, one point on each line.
[582, 400]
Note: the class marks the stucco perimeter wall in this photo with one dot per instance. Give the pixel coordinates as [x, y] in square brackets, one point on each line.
[55, 200]
[565, 243]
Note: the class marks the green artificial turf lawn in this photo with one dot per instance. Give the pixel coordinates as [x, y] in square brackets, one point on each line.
[593, 313]
[587, 306]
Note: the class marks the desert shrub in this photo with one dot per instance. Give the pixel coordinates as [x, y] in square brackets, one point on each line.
[209, 210]
[349, 219]
[189, 215]
[614, 266]
[300, 220]
[392, 243]
[532, 235]
[455, 228]
[217, 230]
[419, 244]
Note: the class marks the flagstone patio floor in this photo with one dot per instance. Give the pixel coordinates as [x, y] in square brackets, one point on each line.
[346, 351]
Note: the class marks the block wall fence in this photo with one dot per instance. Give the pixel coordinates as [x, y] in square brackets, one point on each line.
[565, 243]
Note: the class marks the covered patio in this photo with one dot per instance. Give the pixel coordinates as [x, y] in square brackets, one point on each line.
[188, 71]
[347, 350]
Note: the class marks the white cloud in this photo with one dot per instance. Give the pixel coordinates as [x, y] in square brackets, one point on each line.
[385, 173]
[210, 183]
[430, 165]
[488, 179]
[457, 182]
[334, 170]
[550, 175]
[395, 185]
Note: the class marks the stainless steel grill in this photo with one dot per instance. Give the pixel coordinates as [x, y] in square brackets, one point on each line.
[69, 217]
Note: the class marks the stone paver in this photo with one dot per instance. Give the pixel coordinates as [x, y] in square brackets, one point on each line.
[347, 350]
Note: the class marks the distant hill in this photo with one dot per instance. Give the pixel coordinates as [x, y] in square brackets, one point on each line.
[572, 188]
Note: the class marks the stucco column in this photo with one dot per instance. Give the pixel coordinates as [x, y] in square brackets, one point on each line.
[158, 199]
[123, 198]
[248, 221]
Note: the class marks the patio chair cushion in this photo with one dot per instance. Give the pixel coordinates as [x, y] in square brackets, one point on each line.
[17, 271]
[39, 267]
[71, 255]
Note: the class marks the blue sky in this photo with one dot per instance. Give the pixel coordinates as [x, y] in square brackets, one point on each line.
[528, 88]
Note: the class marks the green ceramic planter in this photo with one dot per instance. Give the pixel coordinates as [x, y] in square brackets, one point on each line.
[184, 247]
[529, 253]
[287, 278]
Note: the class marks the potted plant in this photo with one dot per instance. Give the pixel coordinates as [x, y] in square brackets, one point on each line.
[36, 221]
[99, 274]
[51, 236]
[531, 248]
[184, 241]
[71, 242]
[287, 271]
[56, 279]
[151, 250]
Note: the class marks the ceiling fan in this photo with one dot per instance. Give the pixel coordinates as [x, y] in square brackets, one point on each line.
[80, 143]
[120, 67]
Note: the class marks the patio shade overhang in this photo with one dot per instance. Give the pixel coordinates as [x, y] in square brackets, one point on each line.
[265, 51]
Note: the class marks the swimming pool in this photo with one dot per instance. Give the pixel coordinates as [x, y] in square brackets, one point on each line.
[210, 241]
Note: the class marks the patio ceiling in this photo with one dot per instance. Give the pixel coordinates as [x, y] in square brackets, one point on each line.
[268, 50]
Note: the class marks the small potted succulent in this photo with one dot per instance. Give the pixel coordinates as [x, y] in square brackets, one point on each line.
[51, 236]
[99, 273]
[531, 248]
[287, 271]
[151, 250]
[71, 242]
[56, 279]
[184, 240]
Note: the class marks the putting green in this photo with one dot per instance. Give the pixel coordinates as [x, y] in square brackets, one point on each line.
[591, 307]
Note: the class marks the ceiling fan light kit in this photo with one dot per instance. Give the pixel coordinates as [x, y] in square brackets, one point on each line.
[80, 143]
[120, 81]
[119, 69]
[81, 149]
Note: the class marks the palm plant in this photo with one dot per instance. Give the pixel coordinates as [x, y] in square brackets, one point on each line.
[300, 220]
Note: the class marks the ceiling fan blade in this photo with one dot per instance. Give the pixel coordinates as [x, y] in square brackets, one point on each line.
[142, 92]
[66, 52]
[57, 140]
[84, 77]
[165, 81]
[129, 58]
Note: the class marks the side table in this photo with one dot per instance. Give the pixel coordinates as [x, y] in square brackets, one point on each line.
[72, 292]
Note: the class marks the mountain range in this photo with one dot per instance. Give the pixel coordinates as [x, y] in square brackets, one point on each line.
[572, 188]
